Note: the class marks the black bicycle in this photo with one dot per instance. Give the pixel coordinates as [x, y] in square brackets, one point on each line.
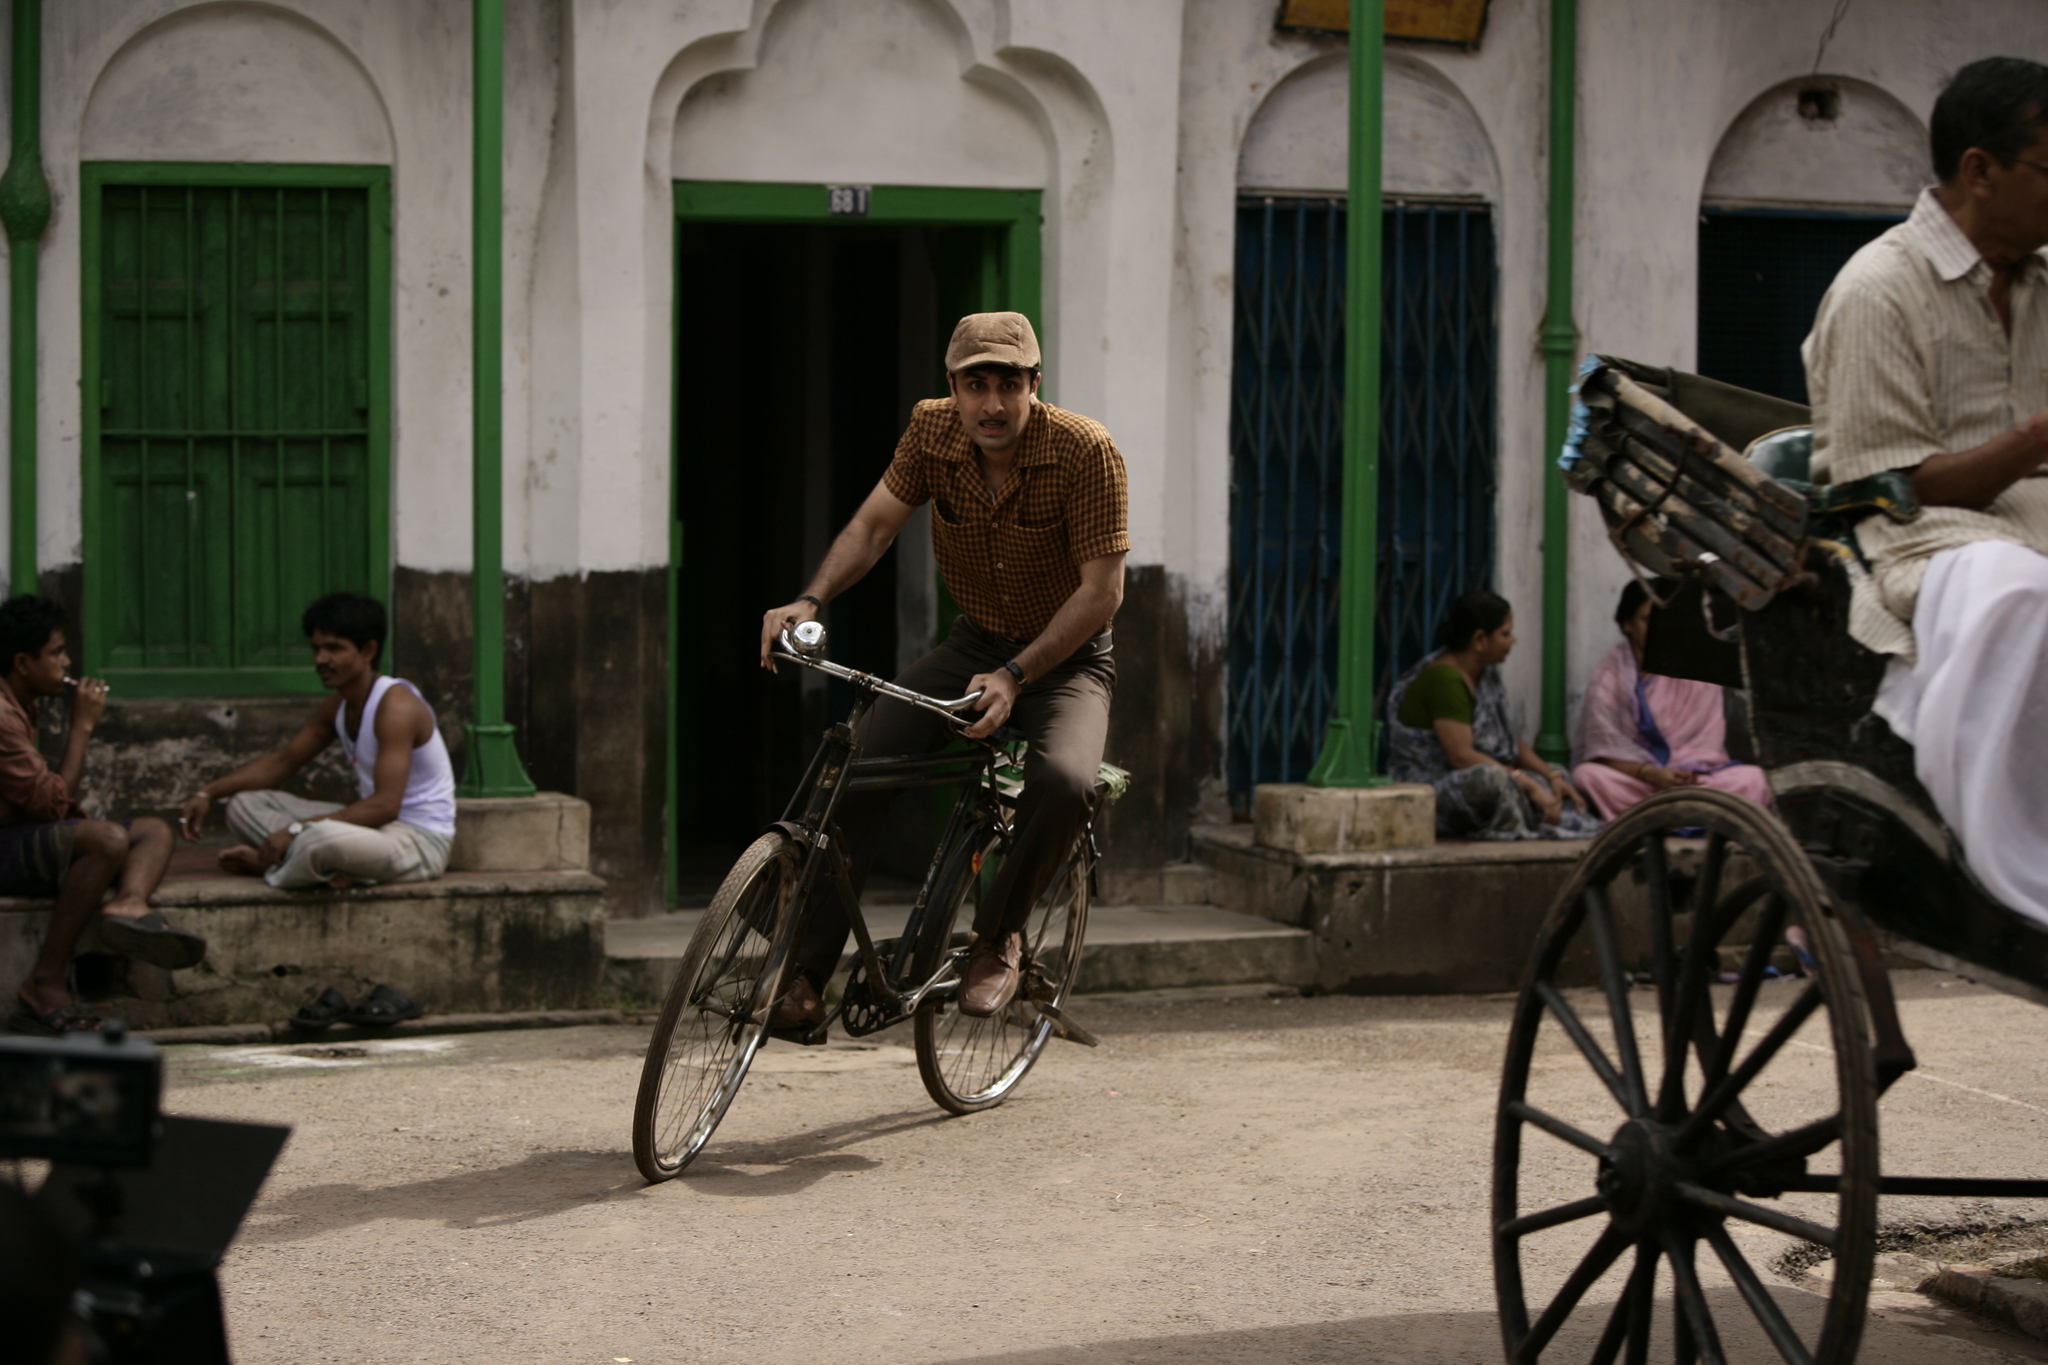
[739, 960]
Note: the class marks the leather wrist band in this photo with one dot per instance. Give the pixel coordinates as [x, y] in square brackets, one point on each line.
[806, 597]
[1016, 670]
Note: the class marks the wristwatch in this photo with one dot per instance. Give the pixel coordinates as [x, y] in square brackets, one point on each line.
[295, 828]
[1016, 670]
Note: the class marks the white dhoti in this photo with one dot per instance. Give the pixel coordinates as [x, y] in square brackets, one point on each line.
[1975, 709]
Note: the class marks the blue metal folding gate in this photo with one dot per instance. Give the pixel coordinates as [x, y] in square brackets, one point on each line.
[1437, 461]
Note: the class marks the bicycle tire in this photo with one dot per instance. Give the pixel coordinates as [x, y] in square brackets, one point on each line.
[715, 1017]
[969, 1064]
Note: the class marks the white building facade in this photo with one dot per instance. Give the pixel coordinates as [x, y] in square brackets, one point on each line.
[704, 364]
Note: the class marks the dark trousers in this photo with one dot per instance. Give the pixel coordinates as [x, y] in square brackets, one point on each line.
[1065, 717]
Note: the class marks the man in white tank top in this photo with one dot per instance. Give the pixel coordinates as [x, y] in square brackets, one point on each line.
[402, 822]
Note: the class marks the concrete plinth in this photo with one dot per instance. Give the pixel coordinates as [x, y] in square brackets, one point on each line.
[475, 941]
[1296, 818]
[1452, 917]
[549, 832]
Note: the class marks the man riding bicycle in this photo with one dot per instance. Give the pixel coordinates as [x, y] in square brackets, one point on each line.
[1029, 528]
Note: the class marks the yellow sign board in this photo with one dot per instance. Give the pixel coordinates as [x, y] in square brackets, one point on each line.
[1439, 21]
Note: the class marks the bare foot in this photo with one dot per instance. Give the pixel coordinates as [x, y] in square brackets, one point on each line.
[243, 861]
[126, 907]
[43, 996]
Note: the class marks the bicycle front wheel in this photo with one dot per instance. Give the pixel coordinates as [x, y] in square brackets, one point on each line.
[716, 1014]
[969, 1063]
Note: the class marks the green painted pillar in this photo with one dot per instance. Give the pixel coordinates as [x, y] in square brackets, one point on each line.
[492, 766]
[1350, 753]
[25, 212]
[1560, 351]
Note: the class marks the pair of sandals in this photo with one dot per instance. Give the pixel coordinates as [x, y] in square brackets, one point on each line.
[383, 1006]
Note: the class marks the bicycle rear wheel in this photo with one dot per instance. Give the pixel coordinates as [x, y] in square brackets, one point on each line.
[969, 1063]
[716, 1014]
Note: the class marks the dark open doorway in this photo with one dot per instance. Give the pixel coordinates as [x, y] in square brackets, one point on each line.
[801, 349]
[1762, 275]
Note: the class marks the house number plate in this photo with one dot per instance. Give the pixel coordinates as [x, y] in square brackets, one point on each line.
[849, 201]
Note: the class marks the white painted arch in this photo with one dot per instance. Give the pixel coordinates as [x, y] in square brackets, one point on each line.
[1871, 155]
[880, 100]
[236, 81]
[1433, 143]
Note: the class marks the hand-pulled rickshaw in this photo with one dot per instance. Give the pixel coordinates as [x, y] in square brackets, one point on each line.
[1752, 1104]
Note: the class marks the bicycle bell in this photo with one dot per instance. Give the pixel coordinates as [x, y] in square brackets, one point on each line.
[808, 638]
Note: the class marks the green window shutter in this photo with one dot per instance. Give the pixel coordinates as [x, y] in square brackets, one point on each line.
[235, 441]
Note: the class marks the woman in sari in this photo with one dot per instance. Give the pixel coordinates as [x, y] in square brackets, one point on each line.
[1640, 733]
[1448, 717]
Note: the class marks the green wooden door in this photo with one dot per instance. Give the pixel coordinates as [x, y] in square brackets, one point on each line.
[238, 455]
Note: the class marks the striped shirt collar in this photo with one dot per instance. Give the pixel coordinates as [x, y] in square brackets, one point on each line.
[1947, 249]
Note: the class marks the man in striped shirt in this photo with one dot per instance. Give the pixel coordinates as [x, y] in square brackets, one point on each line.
[1930, 355]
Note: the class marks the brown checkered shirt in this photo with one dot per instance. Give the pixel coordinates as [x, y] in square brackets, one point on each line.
[1013, 561]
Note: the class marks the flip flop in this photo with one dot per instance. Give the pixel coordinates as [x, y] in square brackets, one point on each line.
[55, 1024]
[149, 939]
[383, 1005]
[330, 1008]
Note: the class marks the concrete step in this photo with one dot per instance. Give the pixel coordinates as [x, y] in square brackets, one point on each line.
[474, 942]
[1129, 948]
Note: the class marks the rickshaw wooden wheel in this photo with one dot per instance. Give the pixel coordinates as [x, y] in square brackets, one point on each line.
[1671, 1117]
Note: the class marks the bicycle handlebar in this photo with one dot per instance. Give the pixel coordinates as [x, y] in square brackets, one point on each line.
[809, 659]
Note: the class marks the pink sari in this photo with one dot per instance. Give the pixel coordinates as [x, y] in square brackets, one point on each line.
[1665, 722]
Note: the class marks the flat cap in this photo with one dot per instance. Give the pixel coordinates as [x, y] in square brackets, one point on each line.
[992, 339]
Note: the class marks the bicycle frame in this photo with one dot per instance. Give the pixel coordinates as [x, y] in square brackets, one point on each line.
[836, 769]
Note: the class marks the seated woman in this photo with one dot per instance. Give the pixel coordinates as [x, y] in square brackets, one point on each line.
[1640, 734]
[1449, 722]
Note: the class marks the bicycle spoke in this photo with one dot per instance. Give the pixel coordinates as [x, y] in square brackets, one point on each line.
[1730, 1086]
[1657, 876]
[1556, 1127]
[1692, 1302]
[1758, 1298]
[1609, 1245]
[1550, 1218]
[1614, 980]
[1575, 1029]
[1730, 1207]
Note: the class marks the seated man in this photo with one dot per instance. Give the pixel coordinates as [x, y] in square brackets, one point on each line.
[1930, 355]
[1640, 734]
[401, 825]
[49, 848]
[1448, 718]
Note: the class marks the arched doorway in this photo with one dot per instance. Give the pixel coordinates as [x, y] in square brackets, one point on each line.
[1438, 381]
[1808, 174]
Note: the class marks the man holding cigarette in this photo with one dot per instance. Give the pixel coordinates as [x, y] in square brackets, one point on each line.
[47, 846]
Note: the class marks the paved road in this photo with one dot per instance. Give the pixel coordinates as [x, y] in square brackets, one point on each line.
[1227, 1180]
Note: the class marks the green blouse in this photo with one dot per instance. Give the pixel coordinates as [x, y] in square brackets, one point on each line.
[1439, 692]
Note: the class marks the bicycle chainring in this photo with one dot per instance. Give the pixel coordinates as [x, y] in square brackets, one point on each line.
[862, 1008]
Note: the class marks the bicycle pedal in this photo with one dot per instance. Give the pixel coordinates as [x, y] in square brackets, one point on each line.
[1063, 1027]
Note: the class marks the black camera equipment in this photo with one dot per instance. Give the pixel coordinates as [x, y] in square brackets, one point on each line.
[151, 1202]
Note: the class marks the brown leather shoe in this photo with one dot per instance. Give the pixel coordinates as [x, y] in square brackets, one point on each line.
[993, 970]
[801, 1007]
